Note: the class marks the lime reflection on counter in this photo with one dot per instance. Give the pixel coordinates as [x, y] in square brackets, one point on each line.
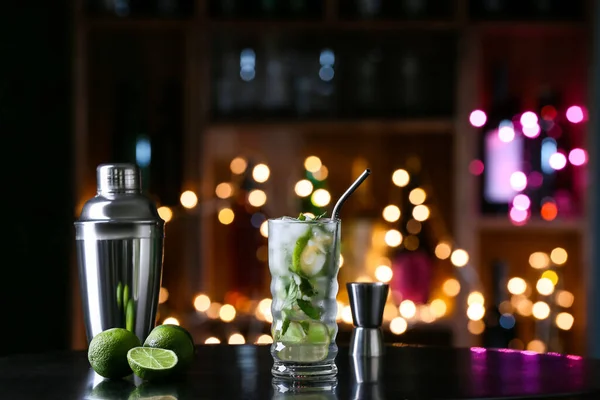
[285, 389]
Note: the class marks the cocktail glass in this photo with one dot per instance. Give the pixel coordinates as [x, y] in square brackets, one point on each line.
[304, 256]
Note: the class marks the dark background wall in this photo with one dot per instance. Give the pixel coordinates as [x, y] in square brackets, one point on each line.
[36, 189]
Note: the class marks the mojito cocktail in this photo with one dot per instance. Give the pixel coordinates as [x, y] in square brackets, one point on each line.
[304, 256]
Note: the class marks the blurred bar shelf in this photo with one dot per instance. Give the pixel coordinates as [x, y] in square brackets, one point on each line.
[336, 25]
[502, 223]
[370, 126]
[139, 24]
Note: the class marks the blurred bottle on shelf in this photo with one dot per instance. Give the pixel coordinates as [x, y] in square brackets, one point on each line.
[527, 10]
[500, 323]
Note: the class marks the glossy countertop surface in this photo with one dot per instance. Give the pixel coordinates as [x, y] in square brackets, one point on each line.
[244, 372]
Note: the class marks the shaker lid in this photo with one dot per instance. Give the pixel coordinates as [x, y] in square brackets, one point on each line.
[119, 197]
[118, 178]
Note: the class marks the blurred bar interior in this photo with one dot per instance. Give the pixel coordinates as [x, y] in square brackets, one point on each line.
[472, 115]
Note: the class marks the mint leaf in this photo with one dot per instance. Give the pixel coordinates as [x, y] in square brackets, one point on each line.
[285, 326]
[305, 326]
[308, 309]
[306, 288]
[320, 216]
[293, 291]
[301, 217]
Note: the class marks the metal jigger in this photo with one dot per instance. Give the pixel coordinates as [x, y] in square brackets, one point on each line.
[367, 301]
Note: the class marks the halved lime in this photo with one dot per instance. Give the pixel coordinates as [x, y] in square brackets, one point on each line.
[151, 363]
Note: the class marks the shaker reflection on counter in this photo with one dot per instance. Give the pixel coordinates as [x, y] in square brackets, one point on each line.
[119, 239]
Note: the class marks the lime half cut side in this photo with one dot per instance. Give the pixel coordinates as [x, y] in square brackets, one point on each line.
[151, 363]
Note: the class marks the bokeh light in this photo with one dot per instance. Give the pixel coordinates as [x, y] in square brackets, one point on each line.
[529, 119]
[506, 133]
[475, 298]
[518, 181]
[518, 217]
[451, 287]
[257, 198]
[553, 276]
[398, 326]
[238, 165]
[536, 345]
[414, 227]
[202, 302]
[417, 196]
[163, 295]
[438, 308]
[226, 216]
[391, 213]
[224, 190]
[227, 313]
[521, 202]
[171, 321]
[312, 163]
[540, 310]
[188, 199]
[165, 213]
[303, 188]
[549, 211]
[264, 229]
[557, 161]
[347, 314]
[393, 238]
[261, 173]
[236, 338]
[400, 178]
[516, 285]
[443, 250]
[264, 339]
[320, 197]
[420, 213]
[476, 327]
[475, 312]
[411, 242]
[477, 118]
[559, 256]
[459, 258]
[407, 309]
[564, 298]
[544, 286]
[212, 340]
[575, 114]
[476, 167]
[564, 321]
[531, 131]
[383, 273]
[321, 174]
[578, 157]
[539, 260]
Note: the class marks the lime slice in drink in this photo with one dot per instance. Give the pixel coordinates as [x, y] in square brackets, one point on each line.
[151, 363]
[318, 334]
[312, 259]
[294, 333]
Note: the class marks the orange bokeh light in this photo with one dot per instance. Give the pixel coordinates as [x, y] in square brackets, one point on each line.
[549, 211]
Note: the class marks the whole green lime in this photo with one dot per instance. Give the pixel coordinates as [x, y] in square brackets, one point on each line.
[107, 353]
[175, 338]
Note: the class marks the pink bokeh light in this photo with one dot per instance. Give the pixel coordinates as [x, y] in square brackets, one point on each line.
[518, 181]
[575, 114]
[529, 119]
[531, 131]
[518, 217]
[535, 179]
[557, 161]
[521, 202]
[476, 167]
[477, 118]
[577, 157]
[506, 134]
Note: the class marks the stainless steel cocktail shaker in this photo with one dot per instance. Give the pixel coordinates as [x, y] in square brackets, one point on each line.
[120, 254]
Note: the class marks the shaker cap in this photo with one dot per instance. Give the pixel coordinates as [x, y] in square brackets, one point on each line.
[118, 178]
